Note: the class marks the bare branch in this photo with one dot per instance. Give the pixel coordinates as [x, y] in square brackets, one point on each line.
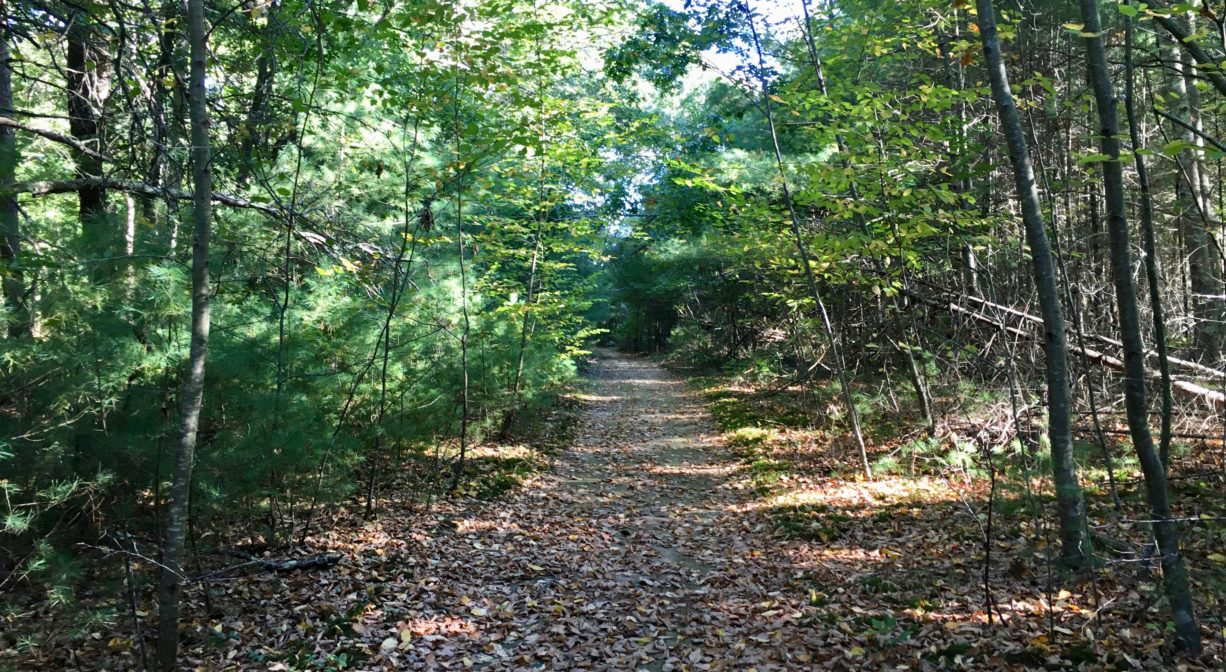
[48, 187]
[55, 137]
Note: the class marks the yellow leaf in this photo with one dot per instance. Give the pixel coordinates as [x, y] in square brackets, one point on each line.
[855, 651]
[1217, 557]
[480, 611]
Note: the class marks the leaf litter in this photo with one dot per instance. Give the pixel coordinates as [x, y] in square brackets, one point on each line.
[650, 546]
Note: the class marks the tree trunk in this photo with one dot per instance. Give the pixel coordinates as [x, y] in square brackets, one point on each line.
[1151, 248]
[1069, 500]
[1210, 68]
[88, 80]
[1196, 217]
[1175, 578]
[193, 386]
[254, 131]
[832, 338]
[10, 224]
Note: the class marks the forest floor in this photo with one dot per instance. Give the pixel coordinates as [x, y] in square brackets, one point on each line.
[652, 544]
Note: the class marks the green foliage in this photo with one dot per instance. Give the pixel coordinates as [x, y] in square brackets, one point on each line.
[346, 323]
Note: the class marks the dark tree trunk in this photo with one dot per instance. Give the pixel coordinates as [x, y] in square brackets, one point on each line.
[10, 224]
[1070, 502]
[89, 75]
[1174, 575]
[1151, 247]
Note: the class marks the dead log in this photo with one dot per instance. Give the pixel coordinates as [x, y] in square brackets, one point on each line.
[1214, 398]
[1200, 370]
[284, 565]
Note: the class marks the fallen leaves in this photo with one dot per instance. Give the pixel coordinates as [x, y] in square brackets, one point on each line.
[649, 547]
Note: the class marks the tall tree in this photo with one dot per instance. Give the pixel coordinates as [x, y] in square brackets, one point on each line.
[832, 337]
[10, 223]
[89, 76]
[1174, 576]
[1196, 211]
[193, 385]
[1074, 540]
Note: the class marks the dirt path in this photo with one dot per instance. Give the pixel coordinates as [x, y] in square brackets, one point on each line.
[631, 554]
[640, 550]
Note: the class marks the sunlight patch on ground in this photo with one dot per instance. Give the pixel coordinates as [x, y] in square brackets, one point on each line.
[651, 381]
[596, 398]
[476, 526]
[440, 626]
[690, 469]
[866, 494]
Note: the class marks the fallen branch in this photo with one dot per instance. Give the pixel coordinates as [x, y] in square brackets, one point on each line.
[1214, 398]
[320, 561]
[1190, 366]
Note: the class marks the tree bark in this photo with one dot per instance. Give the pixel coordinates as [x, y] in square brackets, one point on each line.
[1151, 248]
[1069, 499]
[1196, 215]
[1174, 575]
[193, 386]
[10, 224]
[88, 80]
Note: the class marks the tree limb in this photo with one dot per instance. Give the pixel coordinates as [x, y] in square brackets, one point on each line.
[1213, 398]
[1210, 67]
[1183, 124]
[48, 187]
[55, 137]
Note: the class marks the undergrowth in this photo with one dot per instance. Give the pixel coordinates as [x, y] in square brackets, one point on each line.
[928, 504]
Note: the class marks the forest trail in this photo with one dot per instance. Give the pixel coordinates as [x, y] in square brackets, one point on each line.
[630, 555]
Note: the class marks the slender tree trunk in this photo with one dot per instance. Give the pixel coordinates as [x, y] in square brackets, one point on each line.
[167, 115]
[524, 330]
[1175, 578]
[916, 375]
[193, 386]
[465, 329]
[1211, 69]
[10, 224]
[1151, 248]
[1078, 326]
[88, 80]
[1070, 502]
[1196, 220]
[254, 132]
[508, 420]
[458, 472]
[832, 338]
